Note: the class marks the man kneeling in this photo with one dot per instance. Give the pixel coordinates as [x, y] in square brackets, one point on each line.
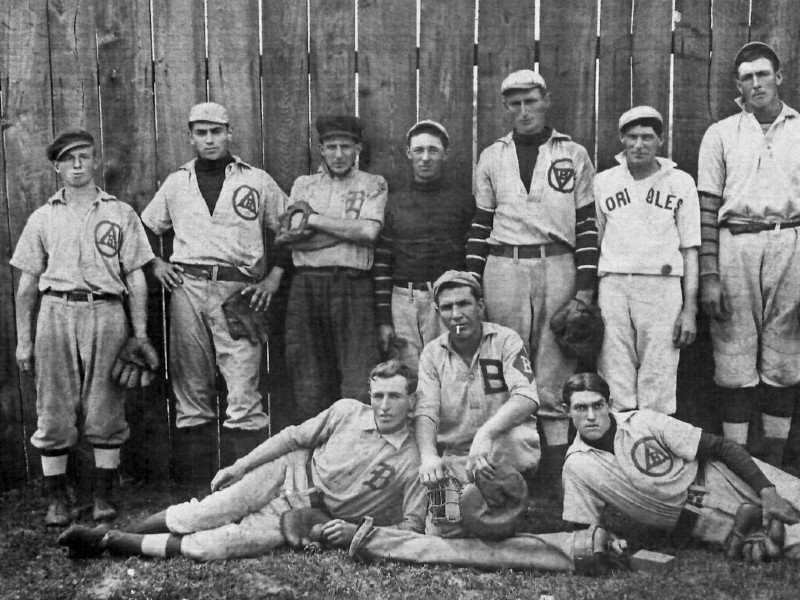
[361, 461]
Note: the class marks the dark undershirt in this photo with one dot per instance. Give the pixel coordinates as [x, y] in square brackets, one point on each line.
[210, 177]
[527, 146]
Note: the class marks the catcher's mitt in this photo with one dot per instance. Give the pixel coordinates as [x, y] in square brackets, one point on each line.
[245, 321]
[136, 363]
[294, 223]
[578, 329]
[493, 508]
[749, 540]
[302, 527]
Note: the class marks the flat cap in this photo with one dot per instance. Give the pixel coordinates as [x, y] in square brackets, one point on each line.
[208, 112]
[637, 113]
[428, 124]
[523, 80]
[493, 508]
[68, 140]
[458, 278]
[330, 125]
[760, 46]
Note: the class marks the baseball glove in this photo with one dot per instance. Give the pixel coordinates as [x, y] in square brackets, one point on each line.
[136, 363]
[294, 223]
[493, 508]
[578, 329]
[245, 321]
[749, 540]
[302, 527]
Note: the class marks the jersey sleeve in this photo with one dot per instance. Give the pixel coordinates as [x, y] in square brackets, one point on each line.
[135, 251]
[375, 202]
[682, 439]
[415, 504]
[316, 430]
[275, 202]
[485, 194]
[156, 214]
[518, 370]
[581, 503]
[429, 388]
[584, 178]
[599, 214]
[688, 216]
[30, 254]
[710, 163]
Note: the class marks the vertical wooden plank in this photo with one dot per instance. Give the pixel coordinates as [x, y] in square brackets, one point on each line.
[731, 28]
[446, 57]
[30, 180]
[73, 60]
[506, 43]
[179, 75]
[284, 75]
[614, 85]
[777, 23]
[567, 62]
[332, 62]
[691, 110]
[234, 71]
[387, 62]
[651, 49]
[125, 70]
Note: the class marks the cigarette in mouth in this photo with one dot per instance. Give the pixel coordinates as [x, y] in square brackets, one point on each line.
[458, 329]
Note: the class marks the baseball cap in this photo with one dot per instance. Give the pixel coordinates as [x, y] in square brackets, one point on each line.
[492, 508]
[68, 140]
[208, 112]
[428, 124]
[347, 125]
[523, 80]
[459, 278]
[637, 113]
[761, 46]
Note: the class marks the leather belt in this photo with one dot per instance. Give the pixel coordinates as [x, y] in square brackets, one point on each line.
[349, 271]
[529, 251]
[216, 273]
[740, 228]
[82, 296]
[422, 286]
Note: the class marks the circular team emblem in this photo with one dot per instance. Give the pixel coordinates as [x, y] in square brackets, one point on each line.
[651, 458]
[245, 202]
[561, 175]
[107, 237]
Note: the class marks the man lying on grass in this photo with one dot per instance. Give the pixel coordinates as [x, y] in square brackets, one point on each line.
[361, 461]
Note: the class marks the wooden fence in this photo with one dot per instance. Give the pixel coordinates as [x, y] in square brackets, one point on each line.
[128, 71]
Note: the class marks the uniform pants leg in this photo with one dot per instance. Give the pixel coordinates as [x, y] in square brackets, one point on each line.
[416, 322]
[618, 362]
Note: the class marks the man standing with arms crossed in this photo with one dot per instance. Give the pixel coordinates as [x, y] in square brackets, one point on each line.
[749, 184]
[219, 207]
[424, 233]
[534, 240]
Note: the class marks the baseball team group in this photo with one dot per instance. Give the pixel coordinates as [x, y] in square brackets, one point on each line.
[430, 455]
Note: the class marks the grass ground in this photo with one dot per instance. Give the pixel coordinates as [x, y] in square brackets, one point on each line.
[33, 566]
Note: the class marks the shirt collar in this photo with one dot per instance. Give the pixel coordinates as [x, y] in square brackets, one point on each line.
[787, 112]
[395, 439]
[621, 419]
[488, 329]
[665, 163]
[324, 171]
[555, 136]
[237, 163]
[101, 195]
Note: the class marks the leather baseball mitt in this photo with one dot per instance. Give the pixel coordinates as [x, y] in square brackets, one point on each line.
[294, 223]
[136, 363]
[302, 527]
[245, 321]
[579, 329]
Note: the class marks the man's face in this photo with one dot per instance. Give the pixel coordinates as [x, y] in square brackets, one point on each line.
[641, 144]
[591, 414]
[528, 108]
[77, 167]
[391, 403]
[427, 155]
[339, 153]
[210, 140]
[758, 83]
[461, 313]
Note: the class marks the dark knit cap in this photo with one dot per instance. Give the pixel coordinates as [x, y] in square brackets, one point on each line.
[331, 125]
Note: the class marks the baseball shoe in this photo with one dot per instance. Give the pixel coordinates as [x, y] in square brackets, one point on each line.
[84, 542]
[58, 514]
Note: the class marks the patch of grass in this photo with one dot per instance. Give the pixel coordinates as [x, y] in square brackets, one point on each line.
[33, 566]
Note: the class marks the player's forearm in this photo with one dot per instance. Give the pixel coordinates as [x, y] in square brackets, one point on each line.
[137, 302]
[690, 280]
[359, 231]
[516, 410]
[27, 295]
[270, 450]
[425, 434]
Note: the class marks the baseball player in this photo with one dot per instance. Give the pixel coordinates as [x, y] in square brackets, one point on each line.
[476, 397]
[425, 229]
[83, 251]
[361, 461]
[648, 223]
[749, 184]
[218, 206]
[331, 337]
[668, 474]
[534, 240]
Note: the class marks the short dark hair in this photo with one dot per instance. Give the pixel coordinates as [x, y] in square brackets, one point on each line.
[451, 285]
[657, 126]
[434, 131]
[585, 382]
[390, 368]
[755, 52]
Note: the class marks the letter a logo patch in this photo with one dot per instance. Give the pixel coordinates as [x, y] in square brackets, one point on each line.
[651, 458]
[107, 238]
[245, 202]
